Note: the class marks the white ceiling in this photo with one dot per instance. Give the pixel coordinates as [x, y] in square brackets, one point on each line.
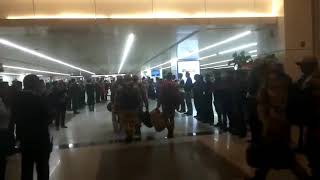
[98, 48]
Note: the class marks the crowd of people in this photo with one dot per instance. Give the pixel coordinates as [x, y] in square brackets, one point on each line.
[263, 101]
[26, 111]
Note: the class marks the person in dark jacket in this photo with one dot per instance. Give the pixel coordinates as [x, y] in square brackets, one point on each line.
[31, 116]
[188, 94]
[208, 110]
[74, 92]
[182, 93]
[219, 97]
[199, 97]
[5, 132]
[310, 108]
[90, 89]
[98, 91]
[60, 104]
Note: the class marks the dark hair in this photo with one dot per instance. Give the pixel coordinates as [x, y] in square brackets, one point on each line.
[31, 82]
[169, 76]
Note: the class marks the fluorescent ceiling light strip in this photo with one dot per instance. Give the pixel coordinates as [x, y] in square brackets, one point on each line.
[206, 57]
[238, 48]
[107, 75]
[253, 51]
[233, 38]
[238, 36]
[165, 68]
[167, 62]
[215, 67]
[76, 76]
[11, 74]
[24, 49]
[255, 55]
[35, 70]
[126, 51]
[222, 65]
[218, 62]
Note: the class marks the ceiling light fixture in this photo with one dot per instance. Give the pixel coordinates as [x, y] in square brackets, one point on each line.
[165, 68]
[206, 57]
[34, 70]
[167, 62]
[255, 55]
[238, 48]
[126, 51]
[108, 75]
[253, 51]
[43, 56]
[76, 76]
[215, 67]
[233, 38]
[218, 62]
[238, 36]
[10, 74]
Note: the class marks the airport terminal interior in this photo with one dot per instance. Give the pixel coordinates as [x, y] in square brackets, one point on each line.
[93, 49]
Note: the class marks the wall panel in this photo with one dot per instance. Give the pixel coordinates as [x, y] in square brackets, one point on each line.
[67, 8]
[15, 8]
[176, 8]
[121, 8]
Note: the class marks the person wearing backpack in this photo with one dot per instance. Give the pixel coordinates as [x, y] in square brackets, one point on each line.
[169, 101]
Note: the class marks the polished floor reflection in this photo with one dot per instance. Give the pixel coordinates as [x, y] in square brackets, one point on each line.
[88, 149]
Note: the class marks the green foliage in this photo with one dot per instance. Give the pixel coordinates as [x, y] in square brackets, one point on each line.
[240, 59]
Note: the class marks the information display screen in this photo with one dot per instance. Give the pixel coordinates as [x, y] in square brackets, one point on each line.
[155, 73]
[193, 67]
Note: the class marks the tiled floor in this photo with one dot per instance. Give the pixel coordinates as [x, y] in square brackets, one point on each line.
[89, 150]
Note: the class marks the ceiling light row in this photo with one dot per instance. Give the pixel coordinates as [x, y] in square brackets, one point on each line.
[43, 56]
[126, 51]
[218, 67]
[34, 70]
[233, 38]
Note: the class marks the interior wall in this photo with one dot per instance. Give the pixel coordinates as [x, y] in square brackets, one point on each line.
[137, 9]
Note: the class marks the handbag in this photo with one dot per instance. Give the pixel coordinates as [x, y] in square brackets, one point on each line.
[109, 107]
[158, 120]
[146, 120]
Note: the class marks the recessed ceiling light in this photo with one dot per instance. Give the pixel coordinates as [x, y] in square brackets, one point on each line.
[34, 70]
[126, 51]
[43, 56]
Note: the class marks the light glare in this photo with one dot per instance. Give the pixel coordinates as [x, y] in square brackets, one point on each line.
[43, 56]
[238, 48]
[34, 70]
[126, 50]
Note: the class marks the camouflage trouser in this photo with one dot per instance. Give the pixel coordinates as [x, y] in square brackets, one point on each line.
[129, 121]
